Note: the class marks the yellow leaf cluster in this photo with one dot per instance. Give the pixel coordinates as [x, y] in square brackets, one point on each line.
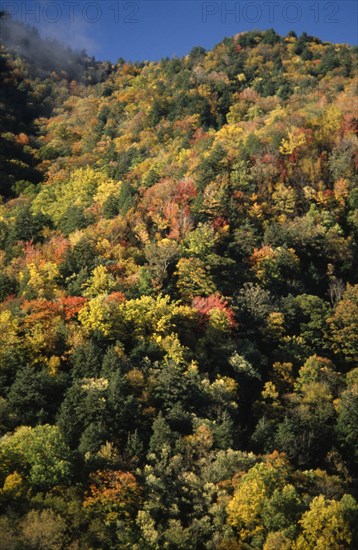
[296, 138]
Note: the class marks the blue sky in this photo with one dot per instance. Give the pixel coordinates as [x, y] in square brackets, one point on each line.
[152, 29]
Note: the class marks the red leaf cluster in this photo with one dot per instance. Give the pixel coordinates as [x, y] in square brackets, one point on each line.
[206, 304]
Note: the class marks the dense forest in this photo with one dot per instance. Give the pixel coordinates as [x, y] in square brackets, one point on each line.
[179, 301]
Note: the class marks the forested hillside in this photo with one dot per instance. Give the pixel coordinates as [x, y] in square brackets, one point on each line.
[179, 300]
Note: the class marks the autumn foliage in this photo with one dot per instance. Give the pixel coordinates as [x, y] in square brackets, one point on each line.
[178, 297]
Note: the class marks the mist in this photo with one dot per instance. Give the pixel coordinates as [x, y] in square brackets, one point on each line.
[48, 54]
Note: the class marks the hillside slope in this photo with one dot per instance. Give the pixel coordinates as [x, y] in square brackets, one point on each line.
[179, 299]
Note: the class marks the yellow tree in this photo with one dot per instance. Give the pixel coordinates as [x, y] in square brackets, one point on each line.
[343, 326]
[245, 510]
[326, 525]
